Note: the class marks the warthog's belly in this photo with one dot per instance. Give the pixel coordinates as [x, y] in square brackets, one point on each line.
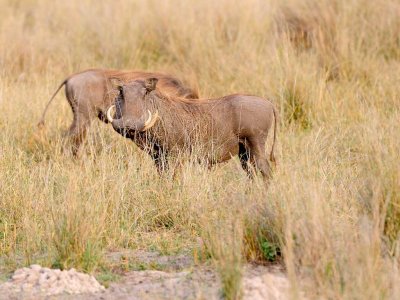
[209, 150]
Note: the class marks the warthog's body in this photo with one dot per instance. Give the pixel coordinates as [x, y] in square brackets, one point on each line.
[90, 93]
[213, 129]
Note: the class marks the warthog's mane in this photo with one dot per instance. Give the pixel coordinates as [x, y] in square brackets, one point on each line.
[127, 74]
[181, 100]
[179, 103]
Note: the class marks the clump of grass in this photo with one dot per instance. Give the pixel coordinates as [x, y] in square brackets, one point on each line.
[224, 242]
[106, 277]
[294, 108]
[383, 186]
[312, 25]
[270, 250]
[70, 252]
[77, 233]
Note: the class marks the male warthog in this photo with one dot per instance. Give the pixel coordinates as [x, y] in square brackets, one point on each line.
[213, 129]
[90, 93]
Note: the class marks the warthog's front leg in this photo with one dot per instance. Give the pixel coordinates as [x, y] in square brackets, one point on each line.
[160, 159]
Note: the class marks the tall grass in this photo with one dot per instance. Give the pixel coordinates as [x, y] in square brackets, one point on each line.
[331, 213]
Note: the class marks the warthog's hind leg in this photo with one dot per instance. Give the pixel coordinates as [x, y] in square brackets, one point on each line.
[77, 131]
[81, 122]
[258, 157]
[244, 156]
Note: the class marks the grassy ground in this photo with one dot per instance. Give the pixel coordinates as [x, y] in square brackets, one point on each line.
[332, 211]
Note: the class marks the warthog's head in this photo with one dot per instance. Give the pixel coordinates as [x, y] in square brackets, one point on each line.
[132, 112]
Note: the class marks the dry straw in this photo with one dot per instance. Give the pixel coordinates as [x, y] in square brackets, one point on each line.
[331, 214]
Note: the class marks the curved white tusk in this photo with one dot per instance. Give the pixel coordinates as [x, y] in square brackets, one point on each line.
[109, 117]
[151, 120]
[148, 119]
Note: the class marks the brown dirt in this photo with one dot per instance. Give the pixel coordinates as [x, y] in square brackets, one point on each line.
[179, 279]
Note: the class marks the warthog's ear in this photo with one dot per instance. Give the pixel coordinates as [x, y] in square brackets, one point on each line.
[150, 84]
[116, 83]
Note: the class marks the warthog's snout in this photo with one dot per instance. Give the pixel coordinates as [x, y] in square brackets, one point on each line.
[141, 125]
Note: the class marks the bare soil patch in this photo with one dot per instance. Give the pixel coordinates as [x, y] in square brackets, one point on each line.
[176, 278]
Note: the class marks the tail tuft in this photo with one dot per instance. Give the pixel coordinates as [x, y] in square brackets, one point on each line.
[272, 158]
[41, 125]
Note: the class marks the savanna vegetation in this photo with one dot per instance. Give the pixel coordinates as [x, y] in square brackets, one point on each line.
[331, 214]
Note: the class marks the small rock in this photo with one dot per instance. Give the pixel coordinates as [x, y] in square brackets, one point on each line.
[50, 282]
[32, 277]
[18, 276]
[35, 267]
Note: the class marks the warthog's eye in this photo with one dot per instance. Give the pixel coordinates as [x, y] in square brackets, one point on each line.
[119, 99]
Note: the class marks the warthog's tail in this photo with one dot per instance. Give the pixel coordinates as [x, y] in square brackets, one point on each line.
[272, 156]
[41, 122]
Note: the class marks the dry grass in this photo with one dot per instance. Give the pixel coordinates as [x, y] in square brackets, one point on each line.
[333, 207]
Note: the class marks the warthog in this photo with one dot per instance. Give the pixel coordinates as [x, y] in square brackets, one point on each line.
[90, 93]
[213, 129]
